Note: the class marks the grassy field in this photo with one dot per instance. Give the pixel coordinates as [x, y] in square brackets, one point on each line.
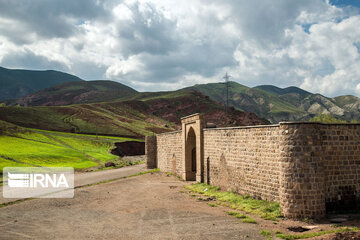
[22, 147]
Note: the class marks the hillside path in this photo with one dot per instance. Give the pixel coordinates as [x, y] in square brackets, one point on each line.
[82, 179]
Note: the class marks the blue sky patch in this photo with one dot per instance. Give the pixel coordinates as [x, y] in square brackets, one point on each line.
[344, 3]
[306, 27]
[357, 45]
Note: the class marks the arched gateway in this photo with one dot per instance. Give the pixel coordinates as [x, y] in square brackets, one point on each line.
[193, 148]
[190, 155]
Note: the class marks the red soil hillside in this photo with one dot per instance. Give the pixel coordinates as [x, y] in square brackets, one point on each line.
[173, 107]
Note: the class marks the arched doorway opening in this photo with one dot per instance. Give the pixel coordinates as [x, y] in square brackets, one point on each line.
[190, 156]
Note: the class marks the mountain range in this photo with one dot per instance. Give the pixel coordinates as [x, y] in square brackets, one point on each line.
[282, 104]
[108, 107]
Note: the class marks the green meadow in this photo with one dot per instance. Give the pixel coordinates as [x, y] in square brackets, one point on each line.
[23, 147]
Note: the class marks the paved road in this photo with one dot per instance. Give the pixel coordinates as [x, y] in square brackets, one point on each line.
[86, 178]
[150, 206]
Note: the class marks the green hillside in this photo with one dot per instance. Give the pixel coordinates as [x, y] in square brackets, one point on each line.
[116, 119]
[144, 114]
[24, 147]
[78, 92]
[282, 104]
[217, 91]
[264, 103]
[109, 107]
[282, 91]
[348, 102]
[18, 83]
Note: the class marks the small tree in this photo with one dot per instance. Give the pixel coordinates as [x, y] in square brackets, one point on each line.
[354, 120]
[326, 118]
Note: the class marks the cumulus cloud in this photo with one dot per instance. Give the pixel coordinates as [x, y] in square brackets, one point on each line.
[163, 45]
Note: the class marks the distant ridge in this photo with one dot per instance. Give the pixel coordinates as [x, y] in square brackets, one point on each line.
[282, 104]
[144, 114]
[16, 83]
[77, 93]
[268, 102]
[282, 91]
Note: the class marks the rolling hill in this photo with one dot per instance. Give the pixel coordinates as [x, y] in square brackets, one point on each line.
[18, 83]
[78, 92]
[263, 102]
[283, 91]
[348, 102]
[142, 115]
[282, 104]
[171, 106]
[115, 119]
[266, 101]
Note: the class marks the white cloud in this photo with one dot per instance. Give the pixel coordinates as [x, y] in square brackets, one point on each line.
[163, 44]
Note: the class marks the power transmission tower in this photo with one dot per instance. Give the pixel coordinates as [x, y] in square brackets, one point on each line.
[226, 77]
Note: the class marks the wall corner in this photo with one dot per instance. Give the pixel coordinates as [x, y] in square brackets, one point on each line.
[151, 152]
[302, 181]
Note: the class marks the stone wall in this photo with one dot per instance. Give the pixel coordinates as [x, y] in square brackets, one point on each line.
[169, 152]
[341, 154]
[244, 160]
[151, 151]
[310, 168]
[302, 171]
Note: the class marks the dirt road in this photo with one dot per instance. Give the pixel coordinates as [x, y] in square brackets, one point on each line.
[151, 206]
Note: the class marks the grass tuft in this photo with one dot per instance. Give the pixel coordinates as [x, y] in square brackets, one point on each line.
[265, 233]
[173, 174]
[236, 214]
[249, 220]
[264, 209]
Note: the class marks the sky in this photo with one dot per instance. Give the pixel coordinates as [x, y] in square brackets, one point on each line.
[155, 45]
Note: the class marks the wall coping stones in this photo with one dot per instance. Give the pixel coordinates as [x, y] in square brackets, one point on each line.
[319, 123]
[242, 127]
[173, 132]
[261, 126]
[192, 115]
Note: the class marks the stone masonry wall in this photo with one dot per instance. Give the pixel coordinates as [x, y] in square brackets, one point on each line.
[151, 151]
[310, 168]
[244, 160]
[302, 171]
[341, 153]
[169, 152]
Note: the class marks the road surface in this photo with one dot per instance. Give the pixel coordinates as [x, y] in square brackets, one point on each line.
[82, 179]
[150, 206]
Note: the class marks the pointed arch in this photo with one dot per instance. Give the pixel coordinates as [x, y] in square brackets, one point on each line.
[190, 155]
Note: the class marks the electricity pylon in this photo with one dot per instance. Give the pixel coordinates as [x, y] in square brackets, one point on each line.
[226, 77]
